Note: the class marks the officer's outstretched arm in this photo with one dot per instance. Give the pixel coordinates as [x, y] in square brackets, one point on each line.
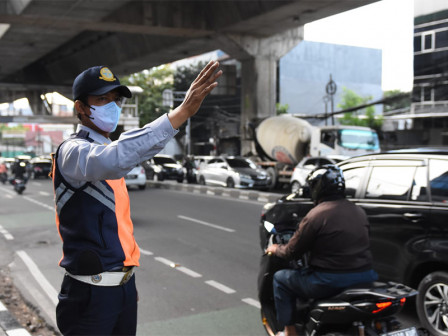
[204, 83]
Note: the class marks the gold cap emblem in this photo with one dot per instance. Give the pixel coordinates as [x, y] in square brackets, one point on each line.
[107, 75]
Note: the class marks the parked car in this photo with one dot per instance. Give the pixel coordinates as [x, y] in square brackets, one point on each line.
[304, 167]
[405, 196]
[164, 167]
[136, 177]
[40, 167]
[233, 171]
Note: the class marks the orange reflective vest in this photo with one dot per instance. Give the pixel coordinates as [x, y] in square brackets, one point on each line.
[94, 223]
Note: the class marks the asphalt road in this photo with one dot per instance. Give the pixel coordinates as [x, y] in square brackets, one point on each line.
[199, 262]
[211, 241]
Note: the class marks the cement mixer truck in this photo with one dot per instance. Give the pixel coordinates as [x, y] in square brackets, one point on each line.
[282, 141]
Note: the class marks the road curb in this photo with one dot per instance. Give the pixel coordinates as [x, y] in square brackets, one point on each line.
[253, 195]
[9, 325]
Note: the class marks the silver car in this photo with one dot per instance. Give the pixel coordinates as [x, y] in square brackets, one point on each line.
[233, 172]
[304, 167]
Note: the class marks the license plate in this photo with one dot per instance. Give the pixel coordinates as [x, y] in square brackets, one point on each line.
[404, 332]
[130, 177]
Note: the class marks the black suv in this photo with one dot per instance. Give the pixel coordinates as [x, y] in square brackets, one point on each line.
[405, 196]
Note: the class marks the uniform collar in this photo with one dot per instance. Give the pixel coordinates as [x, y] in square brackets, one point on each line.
[96, 137]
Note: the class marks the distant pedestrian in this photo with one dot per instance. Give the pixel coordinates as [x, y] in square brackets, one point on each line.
[98, 294]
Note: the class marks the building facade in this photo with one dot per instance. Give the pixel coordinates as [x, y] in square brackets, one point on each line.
[429, 106]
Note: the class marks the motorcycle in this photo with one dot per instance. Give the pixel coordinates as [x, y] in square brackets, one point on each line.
[364, 310]
[19, 185]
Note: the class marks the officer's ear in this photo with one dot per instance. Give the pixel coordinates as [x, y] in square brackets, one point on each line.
[82, 109]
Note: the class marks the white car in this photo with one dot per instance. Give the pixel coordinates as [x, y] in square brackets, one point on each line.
[136, 177]
[233, 172]
[304, 167]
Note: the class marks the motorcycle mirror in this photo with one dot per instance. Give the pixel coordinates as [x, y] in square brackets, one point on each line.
[269, 227]
[304, 192]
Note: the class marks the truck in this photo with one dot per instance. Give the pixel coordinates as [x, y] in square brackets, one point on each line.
[282, 141]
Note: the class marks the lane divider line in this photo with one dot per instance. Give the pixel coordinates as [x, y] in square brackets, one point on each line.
[51, 208]
[252, 302]
[220, 287]
[6, 234]
[145, 252]
[206, 223]
[39, 277]
[189, 272]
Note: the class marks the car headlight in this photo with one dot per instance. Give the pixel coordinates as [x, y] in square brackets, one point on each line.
[157, 169]
[246, 177]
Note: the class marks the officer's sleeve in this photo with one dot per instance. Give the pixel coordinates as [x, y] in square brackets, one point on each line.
[80, 160]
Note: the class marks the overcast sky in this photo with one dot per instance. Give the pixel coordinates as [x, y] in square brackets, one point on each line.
[387, 25]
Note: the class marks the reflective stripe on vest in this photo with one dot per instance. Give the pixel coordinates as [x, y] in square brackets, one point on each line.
[94, 218]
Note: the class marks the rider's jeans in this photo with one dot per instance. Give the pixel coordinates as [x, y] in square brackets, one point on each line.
[291, 285]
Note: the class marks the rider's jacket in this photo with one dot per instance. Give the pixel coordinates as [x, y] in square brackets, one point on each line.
[94, 222]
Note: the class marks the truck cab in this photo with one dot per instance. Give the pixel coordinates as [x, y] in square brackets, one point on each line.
[346, 141]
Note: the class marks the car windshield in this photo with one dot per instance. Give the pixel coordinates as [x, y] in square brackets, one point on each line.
[241, 163]
[163, 160]
[358, 139]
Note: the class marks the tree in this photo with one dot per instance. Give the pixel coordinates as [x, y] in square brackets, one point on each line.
[185, 75]
[281, 109]
[153, 82]
[351, 99]
[399, 103]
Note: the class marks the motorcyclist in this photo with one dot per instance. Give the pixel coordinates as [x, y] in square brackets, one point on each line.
[3, 172]
[335, 234]
[19, 170]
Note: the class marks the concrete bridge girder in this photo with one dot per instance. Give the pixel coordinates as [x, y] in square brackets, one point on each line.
[259, 57]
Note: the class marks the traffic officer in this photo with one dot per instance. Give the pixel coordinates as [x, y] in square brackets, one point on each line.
[98, 294]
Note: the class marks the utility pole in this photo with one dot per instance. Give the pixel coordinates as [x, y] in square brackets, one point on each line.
[331, 90]
[168, 99]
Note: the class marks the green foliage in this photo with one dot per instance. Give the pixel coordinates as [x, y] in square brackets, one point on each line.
[403, 100]
[281, 109]
[153, 82]
[351, 99]
[185, 75]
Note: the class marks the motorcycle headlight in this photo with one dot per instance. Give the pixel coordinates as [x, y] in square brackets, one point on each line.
[266, 208]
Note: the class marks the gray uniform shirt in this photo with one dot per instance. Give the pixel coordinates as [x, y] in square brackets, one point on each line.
[80, 161]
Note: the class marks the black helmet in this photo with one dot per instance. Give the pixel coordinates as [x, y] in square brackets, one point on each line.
[324, 181]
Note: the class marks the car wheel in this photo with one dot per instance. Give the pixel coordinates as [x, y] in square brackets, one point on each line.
[432, 303]
[295, 187]
[230, 183]
[180, 179]
[160, 177]
[201, 180]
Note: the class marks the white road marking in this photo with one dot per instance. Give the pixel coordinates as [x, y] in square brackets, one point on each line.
[164, 261]
[252, 302]
[44, 193]
[39, 203]
[40, 278]
[2, 307]
[206, 223]
[6, 234]
[9, 196]
[220, 286]
[18, 332]
[145, 252]
[189, 272]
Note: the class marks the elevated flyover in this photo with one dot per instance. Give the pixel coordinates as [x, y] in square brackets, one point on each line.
[44, 44]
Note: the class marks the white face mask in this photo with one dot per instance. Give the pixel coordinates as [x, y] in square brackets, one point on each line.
[106, 117]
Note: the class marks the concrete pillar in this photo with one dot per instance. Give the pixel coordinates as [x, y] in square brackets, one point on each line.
[259, 76]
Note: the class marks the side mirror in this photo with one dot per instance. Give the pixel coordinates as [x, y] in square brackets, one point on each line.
[304, 192]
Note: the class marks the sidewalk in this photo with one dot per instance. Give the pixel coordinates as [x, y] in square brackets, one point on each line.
[9, 325]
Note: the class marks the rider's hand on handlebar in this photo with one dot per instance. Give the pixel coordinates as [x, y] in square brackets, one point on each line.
[271, 249]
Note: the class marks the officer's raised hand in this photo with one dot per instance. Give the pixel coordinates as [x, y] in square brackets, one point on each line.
[204, 83]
